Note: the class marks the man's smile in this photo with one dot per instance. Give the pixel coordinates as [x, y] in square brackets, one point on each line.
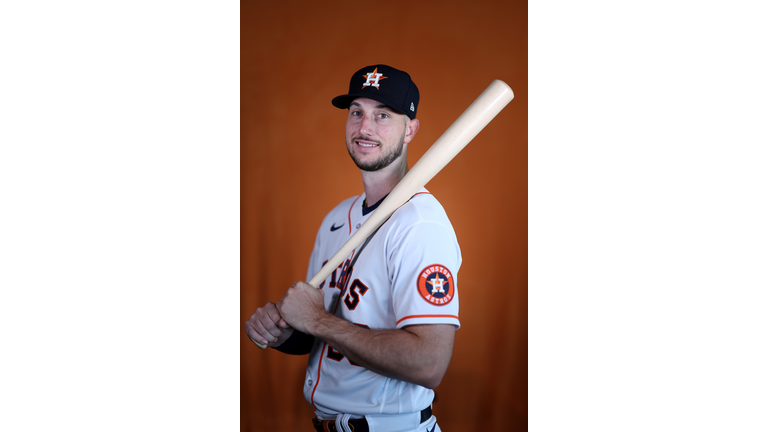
[366, 144]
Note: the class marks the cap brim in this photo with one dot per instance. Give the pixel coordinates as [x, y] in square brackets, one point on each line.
[343, 101]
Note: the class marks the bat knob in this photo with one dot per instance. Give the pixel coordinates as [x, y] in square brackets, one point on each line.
[258, 344]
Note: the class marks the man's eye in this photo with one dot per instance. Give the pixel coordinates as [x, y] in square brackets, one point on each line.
[383, 115]
[355, 113]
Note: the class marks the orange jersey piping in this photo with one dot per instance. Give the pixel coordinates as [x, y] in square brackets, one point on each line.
[349, 215]
[319, 365]
[426, 316]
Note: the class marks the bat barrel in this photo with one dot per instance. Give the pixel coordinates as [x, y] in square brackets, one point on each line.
[474, 119]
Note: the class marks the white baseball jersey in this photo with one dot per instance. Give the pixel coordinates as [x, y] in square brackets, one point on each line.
[405, 275]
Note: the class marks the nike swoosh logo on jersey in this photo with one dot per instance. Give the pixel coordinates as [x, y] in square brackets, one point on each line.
[433, 428]
[334, 227]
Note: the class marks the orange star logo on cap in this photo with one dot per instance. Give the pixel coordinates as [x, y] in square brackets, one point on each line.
[372, 79]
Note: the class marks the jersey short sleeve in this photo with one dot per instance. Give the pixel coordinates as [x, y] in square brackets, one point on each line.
[423, 266]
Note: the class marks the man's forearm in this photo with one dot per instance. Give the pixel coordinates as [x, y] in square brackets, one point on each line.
[419, 354]
[416, 354]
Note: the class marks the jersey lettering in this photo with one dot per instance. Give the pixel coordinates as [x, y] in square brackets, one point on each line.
[336, 280]
[335, 355]
[343, 281]
[333, 277]
[352, 299]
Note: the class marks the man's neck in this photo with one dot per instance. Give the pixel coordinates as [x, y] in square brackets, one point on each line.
[378, 184]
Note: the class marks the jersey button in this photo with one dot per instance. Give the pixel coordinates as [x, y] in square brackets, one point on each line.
[309, 383]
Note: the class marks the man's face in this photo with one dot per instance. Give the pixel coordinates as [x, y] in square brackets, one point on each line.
[376, 134]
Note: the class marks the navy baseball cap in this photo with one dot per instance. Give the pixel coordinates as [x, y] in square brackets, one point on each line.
[385, 84]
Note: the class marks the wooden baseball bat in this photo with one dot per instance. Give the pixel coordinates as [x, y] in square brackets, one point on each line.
[490, 102]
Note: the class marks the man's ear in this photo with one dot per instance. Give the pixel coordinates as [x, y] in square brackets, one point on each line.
[411, 127]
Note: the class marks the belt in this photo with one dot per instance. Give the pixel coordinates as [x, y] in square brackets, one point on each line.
[359, 425]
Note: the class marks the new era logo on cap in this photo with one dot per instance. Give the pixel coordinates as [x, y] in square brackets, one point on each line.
[385, 84]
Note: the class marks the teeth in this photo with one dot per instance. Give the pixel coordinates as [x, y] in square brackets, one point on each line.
[366, 145]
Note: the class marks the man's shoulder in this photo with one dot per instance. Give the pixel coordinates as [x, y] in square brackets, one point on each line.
[422, 208]
[422, 225]
[423, 205]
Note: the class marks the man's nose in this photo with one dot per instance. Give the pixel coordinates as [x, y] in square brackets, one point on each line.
[367, 126]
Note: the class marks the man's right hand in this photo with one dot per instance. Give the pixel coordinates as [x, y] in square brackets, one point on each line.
[267, 326]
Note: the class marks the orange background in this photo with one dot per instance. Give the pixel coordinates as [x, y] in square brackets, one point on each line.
[295, 57]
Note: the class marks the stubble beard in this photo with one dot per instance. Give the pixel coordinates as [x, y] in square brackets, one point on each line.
[382, 162]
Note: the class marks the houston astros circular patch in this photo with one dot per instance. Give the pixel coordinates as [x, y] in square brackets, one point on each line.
[435, 285]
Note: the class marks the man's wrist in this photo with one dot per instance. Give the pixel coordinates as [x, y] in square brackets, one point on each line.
[320, 323]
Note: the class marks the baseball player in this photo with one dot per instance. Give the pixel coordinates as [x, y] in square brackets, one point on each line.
[380, 329]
